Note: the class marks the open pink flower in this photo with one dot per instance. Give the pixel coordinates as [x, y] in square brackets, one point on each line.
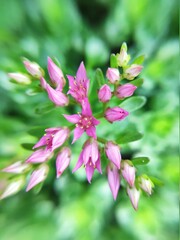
[113, 179]
[79, 85]
[53, 138]
[90, 157]
[85, 122]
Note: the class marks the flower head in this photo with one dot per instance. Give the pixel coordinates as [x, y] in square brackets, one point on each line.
[113, 75]
[115, 114]
[125, 90]
[104, 93]
[128, 172]
[113, 153]
[79, 85]
[113, 179]
[85, 122]
[53, 138]
[90, 157]
[62, 161]
[56, 75]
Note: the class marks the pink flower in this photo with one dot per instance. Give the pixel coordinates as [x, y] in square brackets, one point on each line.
[125, 90]
[17, 167]
[146, 184]
[55, 95]
[33, 68]
[39, 156]
[134, 195]
[113, 153]
[38, 176]
[79, 85]
[53, 138]
[115, 114]
[113, 179]
[104, 93]
[128, 172]
[62, 161]
[20, 78]
[85, 122]
[133, 71]
[90, 157]
[56, 75]
[113, 75]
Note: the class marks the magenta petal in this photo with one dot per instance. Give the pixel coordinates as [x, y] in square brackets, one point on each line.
[113, 180]
[90, 152]
[91, 131]
[40, 155]
[89, 171]
[95, 121]
[71, 81]
[81, 73]
[98, 165]
[59, 138]
[57, 97]
[86, 108]
[72, 118]
[62, 161]
[79, 162]
[43, 82]
[41, 142]
[77, 133]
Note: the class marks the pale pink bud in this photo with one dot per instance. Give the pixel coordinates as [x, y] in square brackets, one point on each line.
[39, 156]
[122, 57]
[38, 176]
[146, 184]
[33, 68]
[113, 153]
[125, 90]
[17, 167]
[90, 151]
[104, 93]
[134, 195]
[128, 172]
[115, 114]
[113, 179]
[20, 78]
[56, 75]
[113, 75]
[133, 71]
[62, 161]
[13, 187]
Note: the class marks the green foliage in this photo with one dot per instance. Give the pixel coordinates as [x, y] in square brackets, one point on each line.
[134, 103]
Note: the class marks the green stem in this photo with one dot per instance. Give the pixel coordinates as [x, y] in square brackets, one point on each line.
[99, 115]
[101, 140]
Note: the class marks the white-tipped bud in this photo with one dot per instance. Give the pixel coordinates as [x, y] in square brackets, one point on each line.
[20, 78]
[33, 68]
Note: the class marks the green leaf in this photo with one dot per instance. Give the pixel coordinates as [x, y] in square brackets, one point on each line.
[27, 146]
[138, 82]
[42, 109]
[139, 60]
[130, 134]
[133, 103]
[140, 160]
[37, 131]
[156, 181]
[113, 61]
[99, 77]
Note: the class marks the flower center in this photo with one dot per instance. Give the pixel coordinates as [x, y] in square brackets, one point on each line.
[85, 122]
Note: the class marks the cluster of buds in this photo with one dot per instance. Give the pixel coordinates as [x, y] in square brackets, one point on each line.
[84, 122]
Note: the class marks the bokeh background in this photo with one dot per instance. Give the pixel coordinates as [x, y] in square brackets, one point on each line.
[72, 31]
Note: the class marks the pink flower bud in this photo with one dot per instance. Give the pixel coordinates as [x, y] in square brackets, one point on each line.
[133, 71]
[113, 153]
[128, 172]
[62, 161]
[125, 90]
[113, 179]
[113, 75]
[122, 57]
[13, 187]
[37, 176]
[56, 75]
[104, 93]
[134, 195]
[39, 156]
[17, 167]
[115, 114]
[20, 78]
[146, 184]
[33, 68]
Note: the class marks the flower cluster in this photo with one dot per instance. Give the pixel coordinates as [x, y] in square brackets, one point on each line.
[55, 140]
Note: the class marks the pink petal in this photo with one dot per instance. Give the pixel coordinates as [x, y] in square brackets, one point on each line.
[90, 151]
[95, 121]
[113, 153]
[41, 142]
[71, 81]
[98, 165]
[113, 180]
[72, 118]
[40, 155]
[86, 108]
[81, 72]
[91, 131]
[60, 137]
[62, 161]
[79, 162]
[77, 133]
[57, 97]
[89, 171]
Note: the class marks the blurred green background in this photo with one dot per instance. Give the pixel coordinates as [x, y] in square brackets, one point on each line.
[72, 31]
